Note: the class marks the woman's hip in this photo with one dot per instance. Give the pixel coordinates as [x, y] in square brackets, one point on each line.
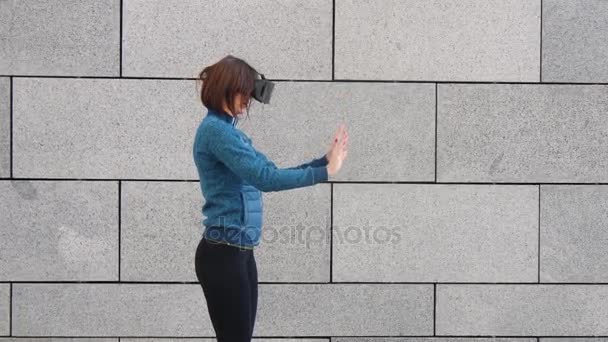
[221, 261]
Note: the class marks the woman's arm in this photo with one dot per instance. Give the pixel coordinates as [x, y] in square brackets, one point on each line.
[255, 168]
[322, 161]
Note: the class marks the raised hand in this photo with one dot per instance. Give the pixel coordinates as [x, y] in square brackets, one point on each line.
[337, 150]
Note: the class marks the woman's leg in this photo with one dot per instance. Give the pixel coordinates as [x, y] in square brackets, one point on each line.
[222, 271]
[253, 277]
[202, 262]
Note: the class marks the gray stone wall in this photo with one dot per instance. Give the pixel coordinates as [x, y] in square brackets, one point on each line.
[473, 203]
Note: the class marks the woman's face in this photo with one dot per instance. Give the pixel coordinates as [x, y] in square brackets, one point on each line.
[239, 103]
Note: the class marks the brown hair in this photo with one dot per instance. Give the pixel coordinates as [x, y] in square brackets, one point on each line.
[222, 81]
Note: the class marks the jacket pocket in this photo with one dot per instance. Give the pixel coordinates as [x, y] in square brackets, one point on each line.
[251, 199]
[244, 208]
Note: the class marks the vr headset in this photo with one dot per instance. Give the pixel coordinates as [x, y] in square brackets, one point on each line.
[262, 89]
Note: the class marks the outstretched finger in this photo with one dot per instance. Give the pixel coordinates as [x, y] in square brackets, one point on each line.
[339, 132]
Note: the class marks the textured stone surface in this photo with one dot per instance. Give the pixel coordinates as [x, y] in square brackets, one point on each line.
[496, 182]
[161, 228]
[435, 233]
[336, 309]
[255, 339]
[295, 244]
[105, 128]
[522, 310]
[450, 40]
[110, 310]
[431, 339]
[522, 133]
[5, 127]
[391, 127]
[177, 38]
[5, 308]
[58, 231]
[573, 233]
[180, 310]
[60, 37]
[575, 41]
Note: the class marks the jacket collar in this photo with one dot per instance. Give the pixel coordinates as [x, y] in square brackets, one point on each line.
[223, 116]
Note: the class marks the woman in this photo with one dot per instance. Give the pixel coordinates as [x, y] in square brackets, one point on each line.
[232, 176]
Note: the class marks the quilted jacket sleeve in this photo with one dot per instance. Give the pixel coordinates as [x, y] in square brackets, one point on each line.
[255, 168]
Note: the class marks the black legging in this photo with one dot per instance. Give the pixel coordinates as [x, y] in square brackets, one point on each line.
[229, 278]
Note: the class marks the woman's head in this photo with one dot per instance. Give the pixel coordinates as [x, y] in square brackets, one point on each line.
[227, 85]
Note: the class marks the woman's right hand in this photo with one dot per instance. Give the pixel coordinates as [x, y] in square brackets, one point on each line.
[338, 150]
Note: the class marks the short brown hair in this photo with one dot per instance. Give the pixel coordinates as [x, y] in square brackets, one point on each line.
[222, 81]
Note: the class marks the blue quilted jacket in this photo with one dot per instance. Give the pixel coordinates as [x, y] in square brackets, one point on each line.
[233, 175]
